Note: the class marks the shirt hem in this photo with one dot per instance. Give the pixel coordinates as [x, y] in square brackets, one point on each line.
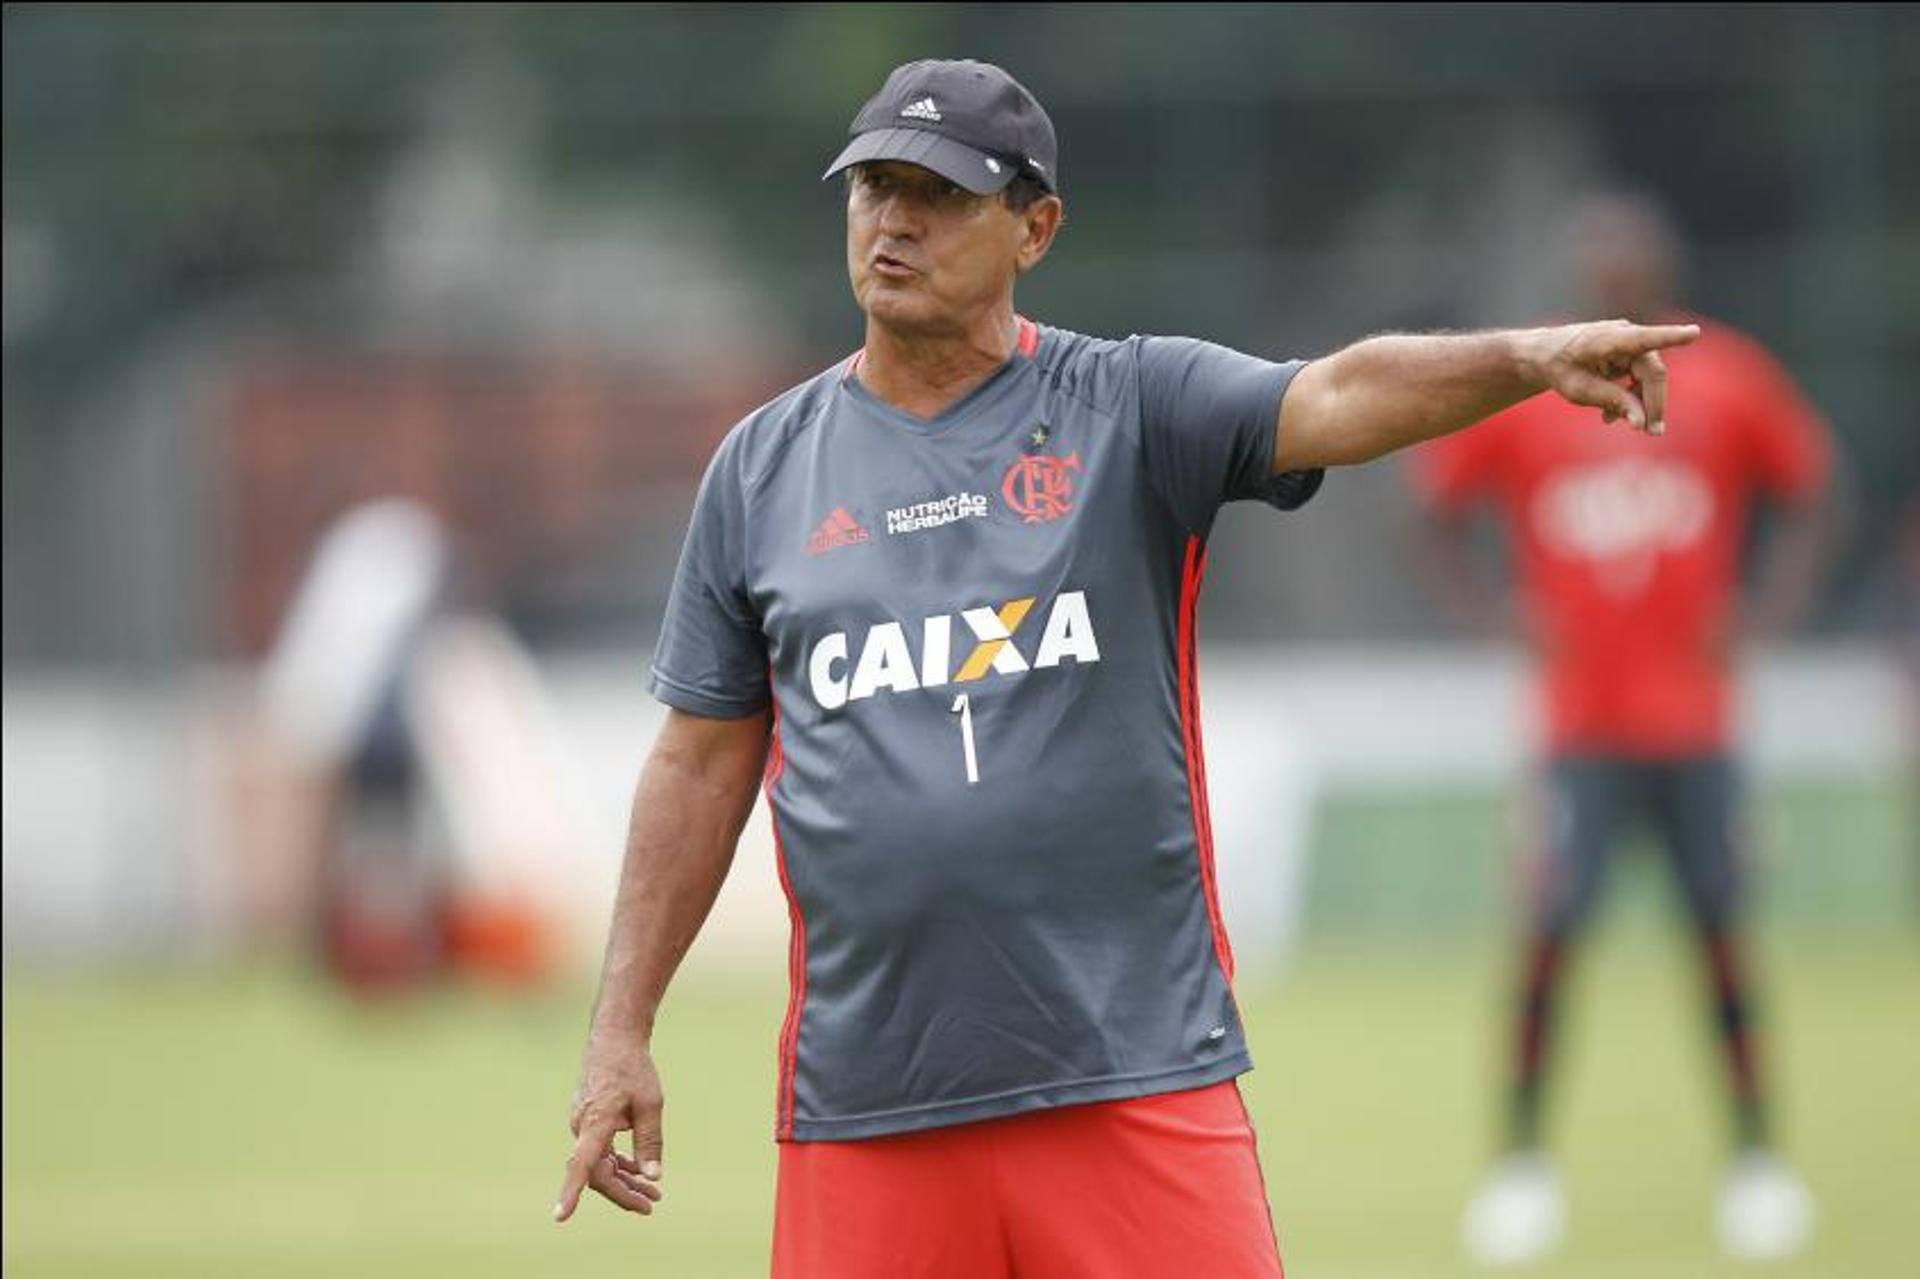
[1018, 1102]
[1650, 750]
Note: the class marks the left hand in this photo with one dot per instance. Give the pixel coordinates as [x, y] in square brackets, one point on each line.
[619, 1090]
[1610, 365]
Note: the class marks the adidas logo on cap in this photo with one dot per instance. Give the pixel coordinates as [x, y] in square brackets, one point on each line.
[924, 109]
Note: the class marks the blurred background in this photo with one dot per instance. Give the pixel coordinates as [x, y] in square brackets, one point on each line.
[360, 363]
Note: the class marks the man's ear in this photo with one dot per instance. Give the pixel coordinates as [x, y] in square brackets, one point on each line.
[1040, 222]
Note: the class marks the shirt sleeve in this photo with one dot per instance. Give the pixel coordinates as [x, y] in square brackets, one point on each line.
[712, 655]
[1789, 446]
[1207, 417]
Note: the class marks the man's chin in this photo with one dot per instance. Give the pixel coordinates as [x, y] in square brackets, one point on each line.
[904, 311]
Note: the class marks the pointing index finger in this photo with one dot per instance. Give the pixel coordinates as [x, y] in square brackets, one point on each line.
[1657, 337]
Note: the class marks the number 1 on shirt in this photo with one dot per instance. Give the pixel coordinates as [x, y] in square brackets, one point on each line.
[963, 707]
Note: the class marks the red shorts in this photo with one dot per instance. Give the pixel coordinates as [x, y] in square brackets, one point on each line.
[1162, 1185]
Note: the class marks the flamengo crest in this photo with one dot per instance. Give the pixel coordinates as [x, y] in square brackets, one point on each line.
[1039, 487]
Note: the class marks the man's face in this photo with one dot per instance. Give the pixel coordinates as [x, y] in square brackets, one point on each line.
[925, 255]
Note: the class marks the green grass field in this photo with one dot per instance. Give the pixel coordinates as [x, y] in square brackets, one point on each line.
[255, 1122]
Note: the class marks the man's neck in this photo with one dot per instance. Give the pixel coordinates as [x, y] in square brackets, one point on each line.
[925, 374]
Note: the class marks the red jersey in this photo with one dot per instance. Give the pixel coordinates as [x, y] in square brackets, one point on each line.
[1628, 546]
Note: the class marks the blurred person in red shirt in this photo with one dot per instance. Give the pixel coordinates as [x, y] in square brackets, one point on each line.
[1626, 551]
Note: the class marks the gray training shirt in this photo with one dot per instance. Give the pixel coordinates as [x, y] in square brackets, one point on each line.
[986, 780]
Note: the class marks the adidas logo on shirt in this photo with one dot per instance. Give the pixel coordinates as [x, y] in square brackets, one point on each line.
[924, 109]
[837, 530]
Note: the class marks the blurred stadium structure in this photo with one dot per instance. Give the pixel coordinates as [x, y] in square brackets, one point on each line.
[526, 264]
[523, 265]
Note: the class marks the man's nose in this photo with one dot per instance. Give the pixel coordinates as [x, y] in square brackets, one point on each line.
[900, 216]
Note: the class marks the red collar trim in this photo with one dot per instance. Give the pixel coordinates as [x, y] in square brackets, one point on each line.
[1029, 340]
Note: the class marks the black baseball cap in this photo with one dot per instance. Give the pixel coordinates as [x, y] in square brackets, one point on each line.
[970, 122]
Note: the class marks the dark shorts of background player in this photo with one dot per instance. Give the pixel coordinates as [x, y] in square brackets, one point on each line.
[1593, 802]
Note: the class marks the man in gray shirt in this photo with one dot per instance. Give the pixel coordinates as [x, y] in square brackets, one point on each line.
[941, 599]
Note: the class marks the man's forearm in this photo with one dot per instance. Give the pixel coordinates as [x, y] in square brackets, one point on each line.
[1387, 393]
[688, 811]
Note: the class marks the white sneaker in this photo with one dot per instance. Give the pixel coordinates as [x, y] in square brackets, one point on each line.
[1519, 1214]
[1765, 1211]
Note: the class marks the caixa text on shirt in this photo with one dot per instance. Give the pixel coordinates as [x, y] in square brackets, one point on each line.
[887, 661]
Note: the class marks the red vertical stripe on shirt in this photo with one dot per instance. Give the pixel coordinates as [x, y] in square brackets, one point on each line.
[1191, 573]
[796, 949]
